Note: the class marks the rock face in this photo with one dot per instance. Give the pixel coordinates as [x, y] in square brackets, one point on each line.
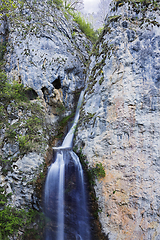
[120, 121]
[119, 125]
[46, 52]
[21, 180]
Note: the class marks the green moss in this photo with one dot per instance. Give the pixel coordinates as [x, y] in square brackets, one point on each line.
[67, 15]
[60, 109]
[93, 173]
[114, 18]
[65, 120]
[62, 125]
[73, 34]
[101, 80]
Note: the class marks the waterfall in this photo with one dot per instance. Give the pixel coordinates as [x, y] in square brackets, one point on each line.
[65, 197]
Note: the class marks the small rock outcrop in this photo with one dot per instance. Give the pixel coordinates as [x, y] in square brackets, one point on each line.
[119, 125]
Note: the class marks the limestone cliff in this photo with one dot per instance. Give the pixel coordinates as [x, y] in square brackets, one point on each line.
[118, 135]
[43, 53]
[120, 120]
[46, 51]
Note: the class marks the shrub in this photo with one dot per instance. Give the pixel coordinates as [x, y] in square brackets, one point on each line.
[8, 91]
[96, 172]
[99, 171]
[12, 219]
[24, 144]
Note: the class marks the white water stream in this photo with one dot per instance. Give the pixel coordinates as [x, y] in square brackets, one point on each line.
[65, 197]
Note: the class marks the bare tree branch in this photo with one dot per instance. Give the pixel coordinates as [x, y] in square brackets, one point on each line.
[74, 5]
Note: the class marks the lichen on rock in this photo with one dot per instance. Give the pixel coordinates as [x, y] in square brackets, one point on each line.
[123, 135]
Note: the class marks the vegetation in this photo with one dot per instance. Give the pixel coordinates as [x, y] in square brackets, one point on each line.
[85, 27]
[27, 117]
[62, 125]
[73, 5]
[12, 219]
[22, 121]
[96, 172]
[114, 18]
[59, 3]
[6, 6]
[60, 109]
[140, 5]
[14, 96]
[9, 92]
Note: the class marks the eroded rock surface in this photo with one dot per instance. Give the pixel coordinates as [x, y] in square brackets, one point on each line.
[20, 181]
[120, 121]
[46, 52]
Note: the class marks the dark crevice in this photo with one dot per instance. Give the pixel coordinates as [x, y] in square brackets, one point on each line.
[57, 83]
[45, 93]
[31, 94]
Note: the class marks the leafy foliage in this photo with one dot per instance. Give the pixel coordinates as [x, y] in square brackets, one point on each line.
[85, 27]
[12, 219]
[98, 171]
[8, 91]
[6, 6]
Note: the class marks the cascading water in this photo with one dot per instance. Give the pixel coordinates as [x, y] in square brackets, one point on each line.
[65, 198]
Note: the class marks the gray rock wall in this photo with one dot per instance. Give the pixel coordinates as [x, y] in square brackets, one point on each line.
[20, 182]
[120, 122]
[47, 52]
